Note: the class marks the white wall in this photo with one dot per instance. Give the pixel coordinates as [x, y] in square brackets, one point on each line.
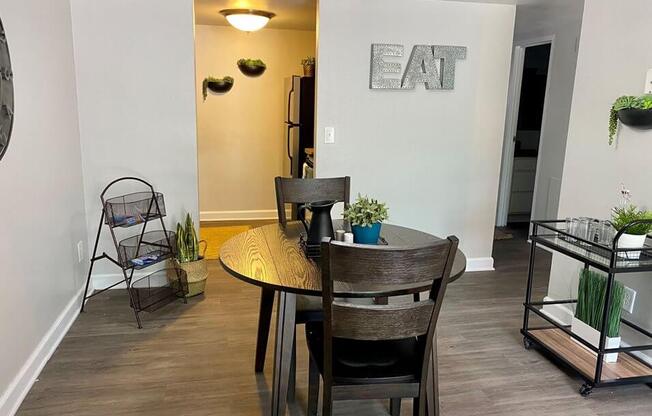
[136, 89]
[563, 20]
[41, 202]
[614, 56]
[433, 156]
[241, 135]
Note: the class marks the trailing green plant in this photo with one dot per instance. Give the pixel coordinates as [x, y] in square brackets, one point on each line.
[644, 102]
[366, 212]
[308, 60]
[220, 81]
[621, 216]
[187, 242]
[591, 293]
[254, 63]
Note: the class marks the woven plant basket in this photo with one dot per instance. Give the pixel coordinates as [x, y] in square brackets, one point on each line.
[197, 273]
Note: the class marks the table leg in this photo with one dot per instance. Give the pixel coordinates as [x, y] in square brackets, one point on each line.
[433, 381]
[264, 319]
[285, 331]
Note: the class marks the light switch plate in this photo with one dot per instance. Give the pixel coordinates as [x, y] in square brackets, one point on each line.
[648, 82]
[80, 251]
[329, 135]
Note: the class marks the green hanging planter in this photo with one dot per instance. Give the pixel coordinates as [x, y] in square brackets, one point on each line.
[216, 85]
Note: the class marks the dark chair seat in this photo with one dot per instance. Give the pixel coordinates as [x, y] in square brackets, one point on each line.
[367, 362]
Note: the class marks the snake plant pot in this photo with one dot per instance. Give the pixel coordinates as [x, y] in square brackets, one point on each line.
[631, 241]
[592, 336]
[366, 235]
[636, 117]
[197, 273]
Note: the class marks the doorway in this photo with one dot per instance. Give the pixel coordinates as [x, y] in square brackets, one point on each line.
[523, 132]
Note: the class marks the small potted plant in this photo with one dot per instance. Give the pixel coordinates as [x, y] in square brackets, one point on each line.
[217, 85]
[252, 67]
[366, 216]
[587, 321]
[308, 66]
[634, 235]
[188, 258]
[631, 111]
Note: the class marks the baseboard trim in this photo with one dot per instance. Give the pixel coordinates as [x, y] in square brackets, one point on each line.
[23, 381]
[480, 264]
[251, 215]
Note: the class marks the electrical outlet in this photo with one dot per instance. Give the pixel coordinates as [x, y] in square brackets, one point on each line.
[80, 251]
[630, 298]
[329, 135]
[648, 82]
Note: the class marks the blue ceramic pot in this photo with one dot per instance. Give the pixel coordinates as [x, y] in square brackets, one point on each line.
[366, 235]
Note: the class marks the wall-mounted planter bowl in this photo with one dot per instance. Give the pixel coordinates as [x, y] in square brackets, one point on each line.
[220, 87]
[252, 70]
[635, 117]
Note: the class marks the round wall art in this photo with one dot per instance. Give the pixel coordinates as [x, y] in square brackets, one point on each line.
[6, 93]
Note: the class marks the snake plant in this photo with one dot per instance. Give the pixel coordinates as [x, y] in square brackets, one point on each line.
[187, 243]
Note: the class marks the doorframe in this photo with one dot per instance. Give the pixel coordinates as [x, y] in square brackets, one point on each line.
[511, 122]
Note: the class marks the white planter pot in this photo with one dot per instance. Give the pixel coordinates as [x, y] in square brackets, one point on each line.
[631, 241]
[592, 336]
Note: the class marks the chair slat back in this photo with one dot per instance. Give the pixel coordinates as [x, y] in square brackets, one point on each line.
[381, 322]
[301, 191]
[384, 266]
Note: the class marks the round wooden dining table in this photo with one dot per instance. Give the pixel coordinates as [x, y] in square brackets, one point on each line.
[271, 257]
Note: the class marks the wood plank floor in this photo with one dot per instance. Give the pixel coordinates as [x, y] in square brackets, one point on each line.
[197, 359]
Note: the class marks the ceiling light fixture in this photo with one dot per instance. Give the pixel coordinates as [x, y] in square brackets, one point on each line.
[247, 20]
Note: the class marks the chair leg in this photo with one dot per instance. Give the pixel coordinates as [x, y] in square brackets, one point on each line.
[395, 406]
[415, 406]
[313, 387]
[264, 320]
[327, 402]
[292, 383]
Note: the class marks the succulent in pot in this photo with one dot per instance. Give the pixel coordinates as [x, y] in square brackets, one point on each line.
[188, 258]
[366, 216]
[635, 224]
[631, 111]
[217, 85]
[251, 67]
[308, 64]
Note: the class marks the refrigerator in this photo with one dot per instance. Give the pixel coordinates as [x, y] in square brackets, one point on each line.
[299, 123]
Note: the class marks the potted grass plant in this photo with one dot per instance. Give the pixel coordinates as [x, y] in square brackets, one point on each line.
[188, 258]
[587, 322]
[631, 111]
[634, 235]
[366, 216]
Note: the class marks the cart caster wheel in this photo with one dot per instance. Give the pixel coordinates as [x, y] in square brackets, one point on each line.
[527, 344]
[585, 390]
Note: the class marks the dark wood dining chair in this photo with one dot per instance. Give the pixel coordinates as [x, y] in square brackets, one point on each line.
[297, 192]
[377, 351]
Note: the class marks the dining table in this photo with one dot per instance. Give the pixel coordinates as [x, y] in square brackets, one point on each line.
[271, 257]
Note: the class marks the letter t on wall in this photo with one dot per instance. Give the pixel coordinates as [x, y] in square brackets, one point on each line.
[379, 67]
[449, 56]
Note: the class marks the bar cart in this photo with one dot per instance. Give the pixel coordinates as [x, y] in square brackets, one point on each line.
[139, 251]
[557, 338]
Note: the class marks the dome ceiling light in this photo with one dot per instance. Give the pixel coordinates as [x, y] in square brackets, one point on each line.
[247, 20]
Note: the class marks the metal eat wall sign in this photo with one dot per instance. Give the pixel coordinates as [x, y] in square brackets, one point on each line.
[421, 67]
